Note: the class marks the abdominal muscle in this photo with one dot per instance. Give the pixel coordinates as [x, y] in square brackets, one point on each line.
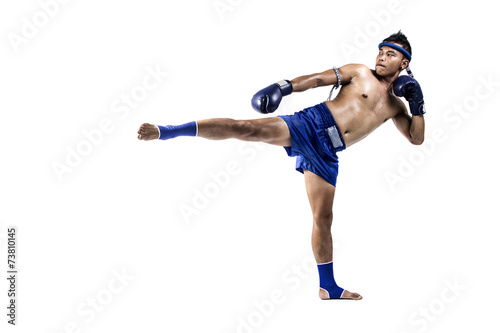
[353, 123]
[359, 109]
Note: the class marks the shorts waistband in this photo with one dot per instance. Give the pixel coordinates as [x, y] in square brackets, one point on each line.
[331, 127]
[326, 115]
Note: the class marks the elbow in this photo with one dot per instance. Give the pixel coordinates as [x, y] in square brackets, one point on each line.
[416, 137]
[417, 141]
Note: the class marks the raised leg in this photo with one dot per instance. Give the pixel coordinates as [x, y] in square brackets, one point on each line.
[269, 130]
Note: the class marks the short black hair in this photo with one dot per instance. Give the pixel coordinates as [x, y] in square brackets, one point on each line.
[399, 38]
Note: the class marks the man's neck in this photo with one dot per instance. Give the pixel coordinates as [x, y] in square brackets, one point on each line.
[386, 80]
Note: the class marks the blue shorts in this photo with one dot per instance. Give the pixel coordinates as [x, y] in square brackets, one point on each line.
[316, 139]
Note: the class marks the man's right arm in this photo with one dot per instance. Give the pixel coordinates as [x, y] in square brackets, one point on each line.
[326, 78]
[268, 99]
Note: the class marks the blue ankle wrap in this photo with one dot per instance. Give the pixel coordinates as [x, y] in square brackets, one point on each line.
[327, 282]
[170, 132]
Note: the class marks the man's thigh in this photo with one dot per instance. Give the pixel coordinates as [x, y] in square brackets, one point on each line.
[320, 194]
[272, 130]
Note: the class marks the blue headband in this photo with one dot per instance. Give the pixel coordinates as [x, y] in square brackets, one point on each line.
[396, 47]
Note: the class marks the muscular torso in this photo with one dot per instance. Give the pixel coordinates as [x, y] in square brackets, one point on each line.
[362, 105]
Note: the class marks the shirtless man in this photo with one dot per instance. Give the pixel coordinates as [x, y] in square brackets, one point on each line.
[365, 101]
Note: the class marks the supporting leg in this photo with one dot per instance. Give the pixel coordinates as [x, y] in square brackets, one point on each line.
[321, 194]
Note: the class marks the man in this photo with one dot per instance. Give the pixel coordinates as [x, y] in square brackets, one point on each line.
[365, 101]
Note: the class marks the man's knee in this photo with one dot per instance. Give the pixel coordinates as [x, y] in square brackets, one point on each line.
[323, 220]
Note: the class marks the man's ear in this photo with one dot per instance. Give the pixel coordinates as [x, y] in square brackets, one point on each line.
[404, 64]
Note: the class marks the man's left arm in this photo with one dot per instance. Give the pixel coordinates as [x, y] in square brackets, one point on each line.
[413, 127]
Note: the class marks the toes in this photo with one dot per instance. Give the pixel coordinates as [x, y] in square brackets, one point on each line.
[356, 296]
[353, 296]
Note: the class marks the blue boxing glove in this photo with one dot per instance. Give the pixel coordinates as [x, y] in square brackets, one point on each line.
[407, 87]
[268, 99]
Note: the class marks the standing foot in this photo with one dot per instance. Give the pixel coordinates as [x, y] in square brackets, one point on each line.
[323, 294]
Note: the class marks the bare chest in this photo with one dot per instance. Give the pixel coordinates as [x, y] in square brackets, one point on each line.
[374, 100]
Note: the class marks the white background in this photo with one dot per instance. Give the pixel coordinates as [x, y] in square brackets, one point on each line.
[118, 211]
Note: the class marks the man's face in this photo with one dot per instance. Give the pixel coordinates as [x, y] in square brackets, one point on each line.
[389, 61]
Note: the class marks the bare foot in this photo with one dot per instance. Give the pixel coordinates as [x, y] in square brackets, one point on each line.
[148, 132]
[323, 294]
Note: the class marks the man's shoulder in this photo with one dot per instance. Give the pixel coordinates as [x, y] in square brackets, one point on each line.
[357, 69]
